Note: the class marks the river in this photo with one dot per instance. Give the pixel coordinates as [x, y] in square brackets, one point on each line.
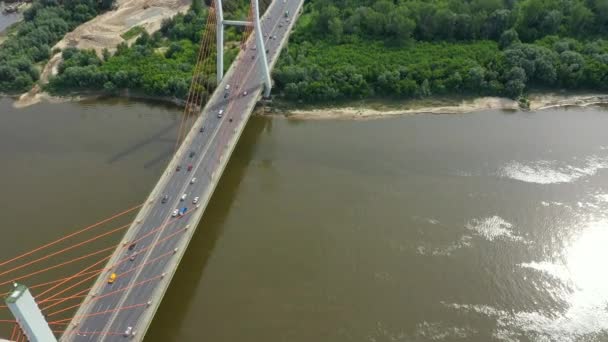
[7, 19]
[490, 226]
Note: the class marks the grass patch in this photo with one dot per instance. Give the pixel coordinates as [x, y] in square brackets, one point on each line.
[133, 32]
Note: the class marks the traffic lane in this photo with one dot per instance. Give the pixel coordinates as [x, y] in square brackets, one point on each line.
[178, 194]
[143, 293]
[197, 188]
[118, 284]
[155, 219]
[164, 248]
[132, 316]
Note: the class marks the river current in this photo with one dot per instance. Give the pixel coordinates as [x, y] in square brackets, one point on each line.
[489, 226]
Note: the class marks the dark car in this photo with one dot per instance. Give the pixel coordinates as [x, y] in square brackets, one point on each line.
[189, 167]
[165, 199]
[202, 129]
[132, 246]
[192, 153]
[179, 167]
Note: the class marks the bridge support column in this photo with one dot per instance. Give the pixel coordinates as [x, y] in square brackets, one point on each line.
[261, 48]
[28, 315]
[219, 16]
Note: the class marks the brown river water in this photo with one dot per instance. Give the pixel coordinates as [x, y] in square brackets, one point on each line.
[490, 226]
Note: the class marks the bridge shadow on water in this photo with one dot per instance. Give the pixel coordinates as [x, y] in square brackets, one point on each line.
[170, 316]
[156, 137]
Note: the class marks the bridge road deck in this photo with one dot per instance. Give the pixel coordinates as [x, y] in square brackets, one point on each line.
[106, 312]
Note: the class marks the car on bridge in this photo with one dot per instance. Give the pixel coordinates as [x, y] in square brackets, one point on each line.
[179, 167]
[112, 278]
[182, 212]
[175, 212]
[165, 199]
[129, 332]
[190, 167]
[183, 197]
[192, 153]
[220, 113]
[193, 180]
[195, 200]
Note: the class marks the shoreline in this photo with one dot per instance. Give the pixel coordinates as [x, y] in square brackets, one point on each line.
[41, 97]
[360, 110]
[437, 106]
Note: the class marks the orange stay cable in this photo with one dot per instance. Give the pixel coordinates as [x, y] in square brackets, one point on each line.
[192, 92]
[107, 294]
[188, 97]
[14, 333]
[50, 282]
[119, 262]
[44, 284]
[68, 288]
[123, 260]
[118, 276]
[66, 249]
[70, 235]
[65, 280]
[209, 33]
[59, 265]
[127, 258]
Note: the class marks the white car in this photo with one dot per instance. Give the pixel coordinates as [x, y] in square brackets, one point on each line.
[245, 93]
[183, 197]
[175, 212]
[227, 87]
[195, 200]
[128, 332]
[220, 113]
[193, 180]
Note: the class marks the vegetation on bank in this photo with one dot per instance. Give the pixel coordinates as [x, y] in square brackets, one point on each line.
[345, 49]
[133, 32]
[349, 49]
[160, 64]
[44, 24]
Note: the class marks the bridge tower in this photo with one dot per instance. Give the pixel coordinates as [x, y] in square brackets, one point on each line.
[28, 315]
[259, 41]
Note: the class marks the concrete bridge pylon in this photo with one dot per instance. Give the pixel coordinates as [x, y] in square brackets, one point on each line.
[259, 42]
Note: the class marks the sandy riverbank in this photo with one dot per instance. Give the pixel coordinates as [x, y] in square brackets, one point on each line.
[433, 106]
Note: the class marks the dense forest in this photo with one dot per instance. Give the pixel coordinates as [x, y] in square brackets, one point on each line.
[160, 64]
[45, 23]
[345, 49]
[349, 49]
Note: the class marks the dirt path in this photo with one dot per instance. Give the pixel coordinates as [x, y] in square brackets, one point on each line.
[104, 32]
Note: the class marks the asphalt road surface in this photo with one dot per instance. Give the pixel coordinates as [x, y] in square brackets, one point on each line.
[122, 305]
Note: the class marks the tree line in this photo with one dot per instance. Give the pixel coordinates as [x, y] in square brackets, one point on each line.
[345, 49]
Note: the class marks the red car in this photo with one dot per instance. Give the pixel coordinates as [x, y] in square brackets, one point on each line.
[189, 167]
